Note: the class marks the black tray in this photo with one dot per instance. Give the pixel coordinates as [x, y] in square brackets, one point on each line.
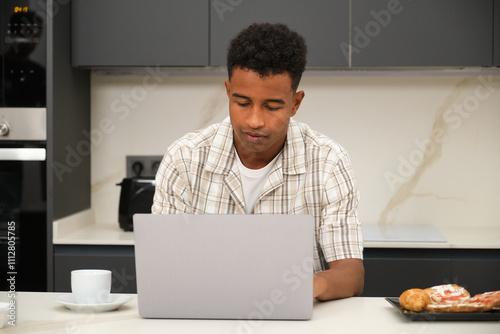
[493, 315]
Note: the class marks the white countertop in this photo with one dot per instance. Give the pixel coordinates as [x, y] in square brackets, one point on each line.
[80, 229]
[37, 312]
[94, 234]
[457, 237]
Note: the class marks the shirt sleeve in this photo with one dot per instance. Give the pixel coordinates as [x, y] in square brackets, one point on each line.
[340, 234]
[172, 191]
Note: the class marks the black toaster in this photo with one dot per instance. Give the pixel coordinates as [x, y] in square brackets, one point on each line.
[136, 196]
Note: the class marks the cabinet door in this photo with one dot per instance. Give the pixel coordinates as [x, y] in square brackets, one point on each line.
[119, 259]
[422, 33]
[477, 270]
[324, 25]
[389, 272]
[140, 33]
[496, 33]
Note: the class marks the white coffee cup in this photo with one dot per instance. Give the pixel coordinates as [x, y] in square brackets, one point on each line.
[91, 286]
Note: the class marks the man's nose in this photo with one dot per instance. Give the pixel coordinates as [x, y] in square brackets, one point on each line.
[256, 118]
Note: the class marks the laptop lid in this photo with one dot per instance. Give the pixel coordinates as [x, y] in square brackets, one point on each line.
[224, 266]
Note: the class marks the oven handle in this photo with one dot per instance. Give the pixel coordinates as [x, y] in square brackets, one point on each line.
[23, 154]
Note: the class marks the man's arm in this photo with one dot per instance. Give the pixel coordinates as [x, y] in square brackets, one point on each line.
[344, 278]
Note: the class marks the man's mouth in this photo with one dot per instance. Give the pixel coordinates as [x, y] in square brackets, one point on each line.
[254, 136]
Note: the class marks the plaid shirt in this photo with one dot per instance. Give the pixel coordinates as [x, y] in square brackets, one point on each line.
[313, 176]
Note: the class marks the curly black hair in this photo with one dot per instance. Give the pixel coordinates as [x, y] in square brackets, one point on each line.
[268, 49]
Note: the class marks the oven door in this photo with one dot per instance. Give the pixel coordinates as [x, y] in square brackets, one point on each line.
[23, 217]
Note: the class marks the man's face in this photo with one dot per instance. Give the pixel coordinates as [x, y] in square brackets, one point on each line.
[260, 109]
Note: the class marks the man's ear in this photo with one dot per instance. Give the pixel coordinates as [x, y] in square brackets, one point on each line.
[228, 88]
[297, 100]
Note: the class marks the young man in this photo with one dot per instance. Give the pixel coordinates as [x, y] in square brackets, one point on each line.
[260, 161]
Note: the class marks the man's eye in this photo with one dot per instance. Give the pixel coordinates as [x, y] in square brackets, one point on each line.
[242, 104]
[272, 108]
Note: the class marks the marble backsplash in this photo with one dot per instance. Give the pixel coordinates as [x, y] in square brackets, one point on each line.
[425, 148]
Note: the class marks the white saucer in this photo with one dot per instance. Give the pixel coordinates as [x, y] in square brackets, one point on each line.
[115, 301]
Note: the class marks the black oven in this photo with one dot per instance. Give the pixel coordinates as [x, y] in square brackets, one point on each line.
[23, 136]
[23, 216]
[23, 199]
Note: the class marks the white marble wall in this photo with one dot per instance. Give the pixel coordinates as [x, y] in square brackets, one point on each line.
[425, 146]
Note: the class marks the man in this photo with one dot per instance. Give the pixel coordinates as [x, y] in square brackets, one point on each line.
[260, 161]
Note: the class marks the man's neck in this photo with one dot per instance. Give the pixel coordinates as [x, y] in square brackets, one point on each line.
[253, 160]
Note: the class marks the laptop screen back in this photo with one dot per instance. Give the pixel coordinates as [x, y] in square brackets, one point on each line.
[224, 266]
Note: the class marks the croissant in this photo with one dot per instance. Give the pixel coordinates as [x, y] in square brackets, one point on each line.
[414, 300]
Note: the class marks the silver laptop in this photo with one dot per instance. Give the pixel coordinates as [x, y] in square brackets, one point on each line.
[224, 266]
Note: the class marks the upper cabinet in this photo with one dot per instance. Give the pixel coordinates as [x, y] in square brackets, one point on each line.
[339, 34]
[422, 33]
[140, 33]
[324, 25]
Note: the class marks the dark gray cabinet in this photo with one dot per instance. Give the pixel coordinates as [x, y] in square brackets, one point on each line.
[324, 25]
[390, 271]
[339, 34]
[476, 269]
[140, 33]
[119, 259]
[496, 33]
[422, 33]
[68, 119]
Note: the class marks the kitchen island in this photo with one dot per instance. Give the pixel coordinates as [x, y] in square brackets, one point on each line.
[40, 313]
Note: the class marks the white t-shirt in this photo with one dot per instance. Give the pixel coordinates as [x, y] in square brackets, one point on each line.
[252, 181]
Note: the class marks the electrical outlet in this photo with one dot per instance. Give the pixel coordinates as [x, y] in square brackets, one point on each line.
[142, 165]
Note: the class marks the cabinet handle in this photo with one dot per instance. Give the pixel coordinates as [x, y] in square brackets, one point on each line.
[22, 154]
